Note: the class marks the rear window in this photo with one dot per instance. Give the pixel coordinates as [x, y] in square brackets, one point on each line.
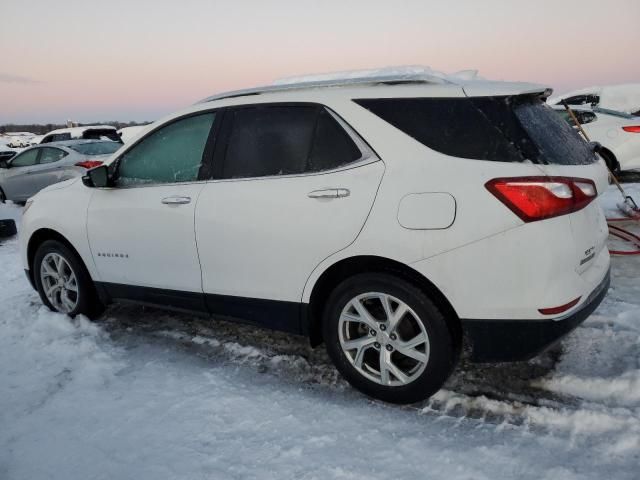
[96, 148]
[504, 129]
[101, 134]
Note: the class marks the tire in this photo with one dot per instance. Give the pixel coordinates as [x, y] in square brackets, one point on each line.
[81, 301]
[3, 197]
[343, 323]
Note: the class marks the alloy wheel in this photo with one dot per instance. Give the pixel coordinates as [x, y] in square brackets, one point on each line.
[383, 339]
[59, 282]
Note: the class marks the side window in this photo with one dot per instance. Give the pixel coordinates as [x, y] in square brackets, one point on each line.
[268, 141]
[26, 159]
[50, 155]
[332, 146]
[285, 140]
[169, 155]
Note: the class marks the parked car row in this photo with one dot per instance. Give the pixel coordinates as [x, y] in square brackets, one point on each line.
[24, 174]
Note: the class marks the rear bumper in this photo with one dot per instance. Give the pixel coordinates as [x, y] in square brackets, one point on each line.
[517, 340]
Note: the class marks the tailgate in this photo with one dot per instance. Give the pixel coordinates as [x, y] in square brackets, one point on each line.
[588, 225]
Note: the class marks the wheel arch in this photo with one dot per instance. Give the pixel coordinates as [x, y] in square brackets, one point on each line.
[38, 238]
[350, 266]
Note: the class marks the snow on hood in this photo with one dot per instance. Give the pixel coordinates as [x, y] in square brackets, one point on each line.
[623, 97]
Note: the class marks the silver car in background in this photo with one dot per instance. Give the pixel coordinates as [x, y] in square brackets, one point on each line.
[37, 167]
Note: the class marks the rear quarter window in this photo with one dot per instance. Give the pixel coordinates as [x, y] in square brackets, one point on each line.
[504, 129]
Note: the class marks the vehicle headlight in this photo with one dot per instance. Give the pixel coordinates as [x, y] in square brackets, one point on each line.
[27, 206]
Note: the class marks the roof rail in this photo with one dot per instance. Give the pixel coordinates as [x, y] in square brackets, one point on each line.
[420, 78]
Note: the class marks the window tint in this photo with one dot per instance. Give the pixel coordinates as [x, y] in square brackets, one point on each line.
[285, 140]
[332, 146]
[171, 154]
[50, 155]
[506, 129]
[269, 141]
[25, 159]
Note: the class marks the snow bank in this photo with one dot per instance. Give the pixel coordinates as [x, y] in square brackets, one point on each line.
[147, 394]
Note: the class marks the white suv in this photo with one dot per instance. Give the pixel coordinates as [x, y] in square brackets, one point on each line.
[395, 220]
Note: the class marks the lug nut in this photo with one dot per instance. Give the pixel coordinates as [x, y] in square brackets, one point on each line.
[383, 327]
[372, 333]
[390, 348]
[376, 345]
[393, 336]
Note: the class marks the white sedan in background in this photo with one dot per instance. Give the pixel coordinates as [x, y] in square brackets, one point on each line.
[617, 132]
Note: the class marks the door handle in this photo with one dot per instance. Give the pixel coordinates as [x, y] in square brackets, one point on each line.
[329, 193]
[176, 200]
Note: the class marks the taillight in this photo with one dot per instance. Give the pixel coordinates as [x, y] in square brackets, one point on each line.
[632, 129]
[537, 198]
[89, 164]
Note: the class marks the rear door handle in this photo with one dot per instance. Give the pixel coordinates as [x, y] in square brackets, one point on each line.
[176, 200]
[329, 193]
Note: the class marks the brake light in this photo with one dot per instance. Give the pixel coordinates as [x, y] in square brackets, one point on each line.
[632, 129]
[89, 164]
[537, 198]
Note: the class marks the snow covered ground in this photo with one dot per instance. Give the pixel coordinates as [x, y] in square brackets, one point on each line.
[147, 394]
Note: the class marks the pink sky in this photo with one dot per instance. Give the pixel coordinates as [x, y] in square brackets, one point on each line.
[137, 60]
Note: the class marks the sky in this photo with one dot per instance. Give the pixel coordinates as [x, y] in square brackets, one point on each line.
[139, 60]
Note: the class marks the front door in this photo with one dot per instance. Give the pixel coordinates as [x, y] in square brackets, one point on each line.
[17, 181]
[141, 231]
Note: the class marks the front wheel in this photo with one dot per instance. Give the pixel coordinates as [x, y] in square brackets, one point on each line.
[63, 282]
[388, 339]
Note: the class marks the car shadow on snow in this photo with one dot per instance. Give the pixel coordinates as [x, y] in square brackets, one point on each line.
[290, 358]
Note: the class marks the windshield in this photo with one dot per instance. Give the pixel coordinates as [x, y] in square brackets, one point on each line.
[96, 148]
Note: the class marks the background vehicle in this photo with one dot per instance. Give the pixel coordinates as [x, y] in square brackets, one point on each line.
[129, 133]
[382, 216]
[6, 155]
[622, 98]
[36, 140]
[617, 132]
[33, 169]
[19, 140]
[93, 132]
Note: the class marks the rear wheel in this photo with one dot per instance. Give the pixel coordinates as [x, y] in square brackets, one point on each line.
[388, 339]
[63, 282]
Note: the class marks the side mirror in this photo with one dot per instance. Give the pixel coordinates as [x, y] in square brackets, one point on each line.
[97, 177]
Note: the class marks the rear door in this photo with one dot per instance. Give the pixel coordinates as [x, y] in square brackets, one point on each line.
[294, 184]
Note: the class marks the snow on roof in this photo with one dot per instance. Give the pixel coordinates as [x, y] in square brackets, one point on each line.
[410, 73]
[623, 97]
[467, 79]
